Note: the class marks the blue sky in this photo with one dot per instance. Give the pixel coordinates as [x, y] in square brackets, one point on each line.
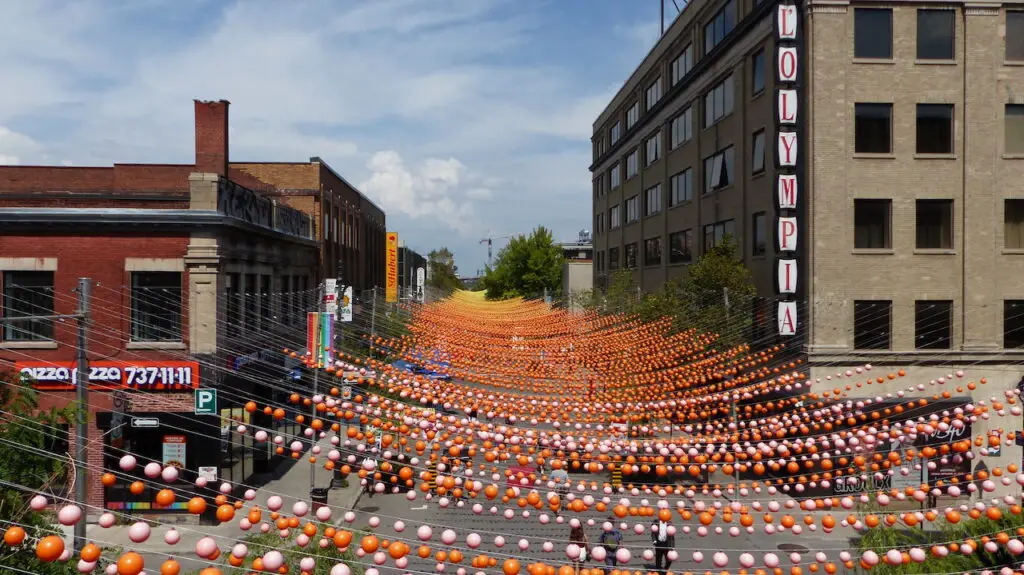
[459, 117]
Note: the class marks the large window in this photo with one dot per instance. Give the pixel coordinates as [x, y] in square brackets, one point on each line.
[654, 93]
[1014, 125]
[633, 209]
[156, 306]
[652, 252]
[933, 324]
[716, 232]
[632, 115]
[613, 258]
[718, 101]
[614, 217]
[26, 294]
[1013, 324]
[757, 72]
[616, 132]
[719, 170]
[872, 32]
[615, 176]
[630, 256]
[680, 246]
[873, 129]
[682, 65]
[1014, 35]
[653, 149]
[872, 324]
[652, 203]
[1013, 224]
[632, 163]
[935, 224]
[872, 224]
[936, 32]
[682, 187]
[759, 234]
[757, 159]
[719, 27]
[682, 128]
[935, 128]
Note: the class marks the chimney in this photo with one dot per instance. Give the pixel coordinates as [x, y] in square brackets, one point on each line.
[212, 137]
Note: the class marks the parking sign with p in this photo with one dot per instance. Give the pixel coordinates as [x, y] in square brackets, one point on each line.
[206, 401]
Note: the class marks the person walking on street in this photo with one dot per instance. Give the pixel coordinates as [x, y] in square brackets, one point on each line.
[610, 539]
[579, 537]
[664, 539]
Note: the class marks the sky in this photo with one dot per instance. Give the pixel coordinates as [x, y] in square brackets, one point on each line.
[462, 119]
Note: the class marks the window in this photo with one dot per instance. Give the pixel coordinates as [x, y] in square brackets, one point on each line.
[1013, 324]
[680, 247]
[715, 233]
[28, 293]
[633, 209]
[682, 187]
[757, 72]
[652, 252]
[232, 287]
[935, 34]
[251, 299]
[759, 234]
[653, 149]
[934, 224]
[616, 132]
[719, 27]
[632, 115]
[156, 306]
[613, 258]
[682, 65]
[630, 256]
[265, 302]
[872, 33]
[1014, 35]
[872, 324]
[299, 309]
[632, 163]
[598, 223]
[1014, 129]
[1013, 224]
[935, 128]
[873, 129]
[933, 324]
[615, 175]
[654, 93]
[718, 170]
[653, 200]
[757, 160]
[718, 102]
[614, 218]
[682, 128]
[872, 224]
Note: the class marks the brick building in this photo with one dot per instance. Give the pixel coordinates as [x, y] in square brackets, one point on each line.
[349, 225]
[198, 277]
[866, 156]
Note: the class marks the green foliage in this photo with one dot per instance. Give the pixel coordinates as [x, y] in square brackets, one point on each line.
[26, 439]
[525, 267]
[443, 273]
[260, 543]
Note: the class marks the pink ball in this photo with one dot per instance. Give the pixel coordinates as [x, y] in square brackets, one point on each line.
[300, 508]
[524, 544]
[171, 537]
[244, 524]
[647, 554]
[206, 547]
[720, 559]
[623, 555]
[274, 503]
[139, 532]
[473, 540]
[107, 520]
[152, 470]
[85, 566]
[599, 553]
[127, 463]
[324, 513]
[307, 564]
[169, 474]
[69, 514]
[448, 537]
[424, 532]
[341, 569]
[272, 561]
[38, 503]
[399, 526]
[240, 551]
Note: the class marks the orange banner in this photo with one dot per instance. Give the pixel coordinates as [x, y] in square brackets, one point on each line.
[391, 270]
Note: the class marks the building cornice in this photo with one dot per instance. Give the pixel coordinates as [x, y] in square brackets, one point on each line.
[837, 359]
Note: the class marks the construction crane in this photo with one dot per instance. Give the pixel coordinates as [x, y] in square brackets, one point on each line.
[490, 245]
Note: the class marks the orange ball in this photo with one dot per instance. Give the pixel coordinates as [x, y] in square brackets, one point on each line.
[131, 563]
[49, 548]
[170, 567]
[14, 536]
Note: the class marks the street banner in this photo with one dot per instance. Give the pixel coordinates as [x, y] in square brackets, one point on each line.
[391, 271]
[319, 335]
[345, 306]
[331, 296]
[421, 275]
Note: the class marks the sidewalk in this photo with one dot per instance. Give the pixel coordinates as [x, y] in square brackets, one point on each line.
[292, 486]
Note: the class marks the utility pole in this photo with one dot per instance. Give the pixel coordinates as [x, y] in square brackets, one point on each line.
[82, 423]
[725, 296]
[318, 355]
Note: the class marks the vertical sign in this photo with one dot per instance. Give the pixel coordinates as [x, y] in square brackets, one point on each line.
[175, 447]
[331, 296]
[345, 308]
[206, 401]
[120, 405]
[391, 271]
[319, 337]
[421, 276]
[788, 30]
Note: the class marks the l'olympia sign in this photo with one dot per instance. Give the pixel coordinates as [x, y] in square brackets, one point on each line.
[788, 164]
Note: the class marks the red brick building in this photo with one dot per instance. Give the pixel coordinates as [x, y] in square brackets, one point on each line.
[199, 276]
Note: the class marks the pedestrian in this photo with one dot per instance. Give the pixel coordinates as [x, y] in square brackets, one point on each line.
[611, 539]
[664, 539]
[579, 537]
[370, 479]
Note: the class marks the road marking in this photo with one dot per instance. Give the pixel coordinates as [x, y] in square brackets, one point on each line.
[417, 508]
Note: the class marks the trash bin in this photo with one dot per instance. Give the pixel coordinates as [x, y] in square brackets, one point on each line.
[318, 495]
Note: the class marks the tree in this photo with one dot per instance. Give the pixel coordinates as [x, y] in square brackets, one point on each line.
[27, 459]
[526, 267]
[442, 272]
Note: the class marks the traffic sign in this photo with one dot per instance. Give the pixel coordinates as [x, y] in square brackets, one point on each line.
[206, 401]
[145, 422]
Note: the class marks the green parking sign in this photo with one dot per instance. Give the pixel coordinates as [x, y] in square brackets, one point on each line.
[206, 401]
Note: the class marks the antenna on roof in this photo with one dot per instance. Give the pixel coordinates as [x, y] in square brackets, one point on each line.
[678, 10]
